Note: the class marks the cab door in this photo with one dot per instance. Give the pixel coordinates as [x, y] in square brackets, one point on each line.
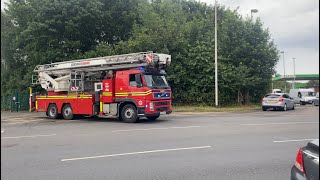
[136, 90]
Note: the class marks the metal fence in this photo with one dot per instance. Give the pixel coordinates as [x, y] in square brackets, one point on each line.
[15, 102]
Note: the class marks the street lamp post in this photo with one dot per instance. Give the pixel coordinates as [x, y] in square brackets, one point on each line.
[294, 73]
[216, 54]
[253, 11]
[284, 73]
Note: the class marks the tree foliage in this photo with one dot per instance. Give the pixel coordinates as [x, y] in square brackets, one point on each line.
[42, 31]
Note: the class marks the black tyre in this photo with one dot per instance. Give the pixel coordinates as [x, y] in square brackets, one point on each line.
[152, 118]
[67, 112]
[302, 103]
[294, 106]
[264, 108]
[129, 114]
[52, 111]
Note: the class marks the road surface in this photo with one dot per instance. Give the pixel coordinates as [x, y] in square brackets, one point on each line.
[222, 146]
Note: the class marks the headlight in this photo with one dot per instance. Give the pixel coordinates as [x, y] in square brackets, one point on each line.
[151, 106]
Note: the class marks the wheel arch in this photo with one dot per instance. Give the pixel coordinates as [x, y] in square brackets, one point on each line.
[124, 101]
[122, 104]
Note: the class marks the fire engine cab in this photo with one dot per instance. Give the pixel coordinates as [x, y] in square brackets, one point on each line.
[127, 87]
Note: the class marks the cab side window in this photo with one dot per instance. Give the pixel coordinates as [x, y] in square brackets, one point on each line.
[132, 80]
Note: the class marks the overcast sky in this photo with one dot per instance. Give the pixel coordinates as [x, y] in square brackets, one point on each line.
[294, 27]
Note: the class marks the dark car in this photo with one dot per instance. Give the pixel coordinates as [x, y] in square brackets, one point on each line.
[306, 166]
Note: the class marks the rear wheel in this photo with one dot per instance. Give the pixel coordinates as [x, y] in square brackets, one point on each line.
[285, 107]
[153, 117]
[67, 112]
[129, 113]
[52, 111]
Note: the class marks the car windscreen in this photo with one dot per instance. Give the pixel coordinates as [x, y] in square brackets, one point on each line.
[273, 95]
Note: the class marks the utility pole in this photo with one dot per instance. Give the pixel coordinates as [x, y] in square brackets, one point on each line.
[215, 54]
[294, 73]
[284, 73]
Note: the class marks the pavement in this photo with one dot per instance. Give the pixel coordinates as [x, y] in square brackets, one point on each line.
[223, 146]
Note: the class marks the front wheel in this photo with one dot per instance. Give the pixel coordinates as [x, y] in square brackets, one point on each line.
[153, 117]
[67, 112]
[129, 113]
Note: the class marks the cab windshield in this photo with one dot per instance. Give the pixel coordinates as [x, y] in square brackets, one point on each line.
[156, 81]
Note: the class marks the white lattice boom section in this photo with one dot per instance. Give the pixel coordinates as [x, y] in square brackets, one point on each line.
[56, 76]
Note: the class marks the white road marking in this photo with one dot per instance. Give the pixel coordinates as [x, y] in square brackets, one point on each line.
[31, 136]
[183, 127]
[133, 153]
[294, 140]
[283, 123]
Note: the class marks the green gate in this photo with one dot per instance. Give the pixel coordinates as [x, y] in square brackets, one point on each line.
[15, 102]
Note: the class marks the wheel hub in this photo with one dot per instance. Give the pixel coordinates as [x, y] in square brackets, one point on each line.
[67, 111]
[129, 113]
[52, 112]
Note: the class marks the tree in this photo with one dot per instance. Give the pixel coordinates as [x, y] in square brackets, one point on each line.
[44, 31]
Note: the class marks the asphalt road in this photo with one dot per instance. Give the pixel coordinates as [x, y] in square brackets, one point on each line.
[243, 145]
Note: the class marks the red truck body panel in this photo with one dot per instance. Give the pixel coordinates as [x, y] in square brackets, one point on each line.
[81, 104]
[115, 89]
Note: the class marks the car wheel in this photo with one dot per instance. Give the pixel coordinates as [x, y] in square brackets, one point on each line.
[284, 107]
[264, 108]
[152, 117]
[302, 103]
[293, 107]
[67, 112]
[313, 103]
[52, 111]
[129, 113]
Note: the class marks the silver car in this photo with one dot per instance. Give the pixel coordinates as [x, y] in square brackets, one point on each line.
[277, 101]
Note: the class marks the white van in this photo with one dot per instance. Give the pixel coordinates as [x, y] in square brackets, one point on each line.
[276, 91]
[302, 96]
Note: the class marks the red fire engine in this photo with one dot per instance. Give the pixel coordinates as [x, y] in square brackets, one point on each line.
[126, 86]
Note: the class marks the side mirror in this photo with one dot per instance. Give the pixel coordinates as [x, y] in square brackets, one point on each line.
[138, 80]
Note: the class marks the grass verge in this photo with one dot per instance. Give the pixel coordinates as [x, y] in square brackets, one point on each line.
[214, 109]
